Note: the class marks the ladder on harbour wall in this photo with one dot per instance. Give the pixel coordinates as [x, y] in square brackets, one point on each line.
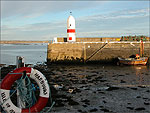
[94, 53]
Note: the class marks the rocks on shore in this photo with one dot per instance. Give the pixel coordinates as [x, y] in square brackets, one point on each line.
[74, 88]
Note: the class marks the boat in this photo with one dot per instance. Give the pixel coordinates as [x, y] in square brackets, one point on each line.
[133, 61]
[136, 60]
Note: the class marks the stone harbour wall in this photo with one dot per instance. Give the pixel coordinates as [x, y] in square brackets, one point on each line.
[82, 51]
[65, 51]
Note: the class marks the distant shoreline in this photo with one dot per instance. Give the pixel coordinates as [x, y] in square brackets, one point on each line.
[21, 42]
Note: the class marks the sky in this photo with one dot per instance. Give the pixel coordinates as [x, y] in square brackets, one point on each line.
[44, 20]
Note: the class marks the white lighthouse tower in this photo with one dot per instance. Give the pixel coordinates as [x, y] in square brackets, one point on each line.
[71, 29]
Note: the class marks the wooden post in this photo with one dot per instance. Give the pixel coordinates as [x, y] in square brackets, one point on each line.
[141, 48]
[20, 63]
[84, 53]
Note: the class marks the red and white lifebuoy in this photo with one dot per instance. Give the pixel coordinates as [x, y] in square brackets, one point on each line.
[8, 81]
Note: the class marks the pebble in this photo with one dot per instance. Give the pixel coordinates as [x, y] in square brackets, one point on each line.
[120, 75]
[104, 101]
[86, 100]
[142, 86]
[98, 77]
[145, 98]
[101, 92]
[93, 110]
[83, 82]
[87, 103]
[140, 108]
[105, 110]
[112, 88]
[103, 80]
[58, 103]
[133, 88]
[79, 110]
[84, 106]
[131, 108]
[146, 103]
[122, 81]
[72, 102]
[138, 97]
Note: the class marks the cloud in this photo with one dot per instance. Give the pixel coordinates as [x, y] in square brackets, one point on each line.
[114, 33]
[114, 20]
[114, 23]
[123, 14]
[49, 30]
[38, 31]
[38, 8]
[145, 10]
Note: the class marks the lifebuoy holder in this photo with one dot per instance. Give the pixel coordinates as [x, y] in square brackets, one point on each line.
[16, 74]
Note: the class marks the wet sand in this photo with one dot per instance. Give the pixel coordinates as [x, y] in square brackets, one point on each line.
[97, 88]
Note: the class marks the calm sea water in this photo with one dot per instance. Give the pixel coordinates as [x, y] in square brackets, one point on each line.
[32, 53]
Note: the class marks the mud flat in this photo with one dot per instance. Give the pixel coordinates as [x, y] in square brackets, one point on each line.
[97, 88]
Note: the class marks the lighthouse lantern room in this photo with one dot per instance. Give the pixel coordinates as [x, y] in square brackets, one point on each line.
[71, 29]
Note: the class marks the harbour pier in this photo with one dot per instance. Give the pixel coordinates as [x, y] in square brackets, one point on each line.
[91, 50]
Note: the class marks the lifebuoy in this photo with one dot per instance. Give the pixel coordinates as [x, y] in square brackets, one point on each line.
[8, 81]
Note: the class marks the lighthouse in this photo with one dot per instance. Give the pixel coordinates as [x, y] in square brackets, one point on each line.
[71, 29]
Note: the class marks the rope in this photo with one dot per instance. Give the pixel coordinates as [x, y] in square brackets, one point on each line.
[26, 92]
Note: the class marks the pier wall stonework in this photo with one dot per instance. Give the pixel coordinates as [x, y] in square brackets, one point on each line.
[65, 51]
[82, 51]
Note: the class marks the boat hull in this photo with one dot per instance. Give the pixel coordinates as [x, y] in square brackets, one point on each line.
[133, 61]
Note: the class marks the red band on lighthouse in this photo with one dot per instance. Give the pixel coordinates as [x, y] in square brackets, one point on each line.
[70, 38]
[70, 30]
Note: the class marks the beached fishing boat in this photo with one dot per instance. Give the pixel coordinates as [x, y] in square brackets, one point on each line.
[137, 60]
[133, 61]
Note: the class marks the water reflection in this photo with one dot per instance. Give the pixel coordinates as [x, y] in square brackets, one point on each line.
[140, 71]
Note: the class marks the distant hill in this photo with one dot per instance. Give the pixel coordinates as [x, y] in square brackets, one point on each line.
[21, 42]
